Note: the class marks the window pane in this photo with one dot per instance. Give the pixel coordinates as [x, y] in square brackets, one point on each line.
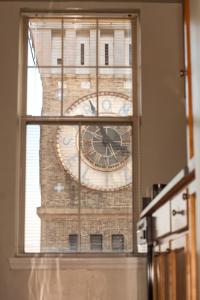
[73, 242]
[114, 41]
[106, 184]
[117, 242]
[32, 190]
[45, 35]
[96, 242]
[80, 92]
[59, 206]
[115, 91]
[44, 92]
[78, 35]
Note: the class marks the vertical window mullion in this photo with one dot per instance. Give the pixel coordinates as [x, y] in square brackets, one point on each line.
[79, 188]
[97, 65]
[62, 70]
[136, 136]
[130, 54]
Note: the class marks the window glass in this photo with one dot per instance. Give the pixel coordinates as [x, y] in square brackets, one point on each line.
[79, 145]
[117, 242]
[96, 242]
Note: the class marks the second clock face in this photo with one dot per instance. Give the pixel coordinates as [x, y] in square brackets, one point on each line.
[100, 155]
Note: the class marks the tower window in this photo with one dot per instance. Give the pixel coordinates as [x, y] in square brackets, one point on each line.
[106, 54]
[82, 54]
[96, 242]
[73, 242]
[117, 242]
[59, 61]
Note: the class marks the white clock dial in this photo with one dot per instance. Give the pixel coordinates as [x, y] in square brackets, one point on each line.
[109, 104]
[105, 151]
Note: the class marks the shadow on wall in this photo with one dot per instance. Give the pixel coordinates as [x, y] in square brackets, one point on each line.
[56, 283]
[51, 284]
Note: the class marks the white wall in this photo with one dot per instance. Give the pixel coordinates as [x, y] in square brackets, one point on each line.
[163, 150]
[195, 50]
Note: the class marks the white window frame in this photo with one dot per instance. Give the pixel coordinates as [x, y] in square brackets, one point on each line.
[133, 120]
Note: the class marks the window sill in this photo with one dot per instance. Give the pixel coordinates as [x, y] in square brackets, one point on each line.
[26, 263]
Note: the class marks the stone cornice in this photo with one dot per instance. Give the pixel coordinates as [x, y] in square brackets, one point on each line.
[53, 212]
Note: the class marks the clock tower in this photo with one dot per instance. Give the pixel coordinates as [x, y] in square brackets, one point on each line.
[86, 169]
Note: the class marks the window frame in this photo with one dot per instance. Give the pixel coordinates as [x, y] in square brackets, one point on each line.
[24, 120]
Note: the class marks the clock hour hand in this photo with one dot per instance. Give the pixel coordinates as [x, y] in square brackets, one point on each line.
[106, 139]
[102, 130]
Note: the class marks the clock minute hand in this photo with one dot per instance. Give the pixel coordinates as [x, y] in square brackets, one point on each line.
[118, 146]
[93, 109]
[108, 140]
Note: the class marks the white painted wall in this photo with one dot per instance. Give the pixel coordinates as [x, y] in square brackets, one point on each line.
[163, 149]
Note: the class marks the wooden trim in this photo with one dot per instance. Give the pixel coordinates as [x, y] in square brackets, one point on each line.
[161, 277]
[162, 199]
[172, 277]
[189, 76]
[155, 278]
[192, 259]
[68, 120]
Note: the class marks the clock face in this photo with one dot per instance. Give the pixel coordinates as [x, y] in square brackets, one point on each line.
[110, 104]
[104, 150]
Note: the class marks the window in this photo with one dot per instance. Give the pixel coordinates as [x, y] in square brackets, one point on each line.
[96, 242]
[106, 54]
[82, 54]
[79, 133]
[56, 47]
[73, 242]
[117, 242]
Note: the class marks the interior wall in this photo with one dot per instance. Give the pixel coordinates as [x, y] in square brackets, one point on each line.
[162, 137]
[195, 46]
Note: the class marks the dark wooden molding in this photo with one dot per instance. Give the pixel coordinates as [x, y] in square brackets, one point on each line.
[161, 199]
[114, 1]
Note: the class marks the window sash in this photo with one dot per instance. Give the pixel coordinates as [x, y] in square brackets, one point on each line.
[129, 120]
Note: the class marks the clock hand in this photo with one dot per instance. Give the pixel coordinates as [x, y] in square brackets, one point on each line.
[93, 109]
[102, 130]
[108, 140]
[104, 135]
[98, 137]
[118, 146]
[112, 151]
